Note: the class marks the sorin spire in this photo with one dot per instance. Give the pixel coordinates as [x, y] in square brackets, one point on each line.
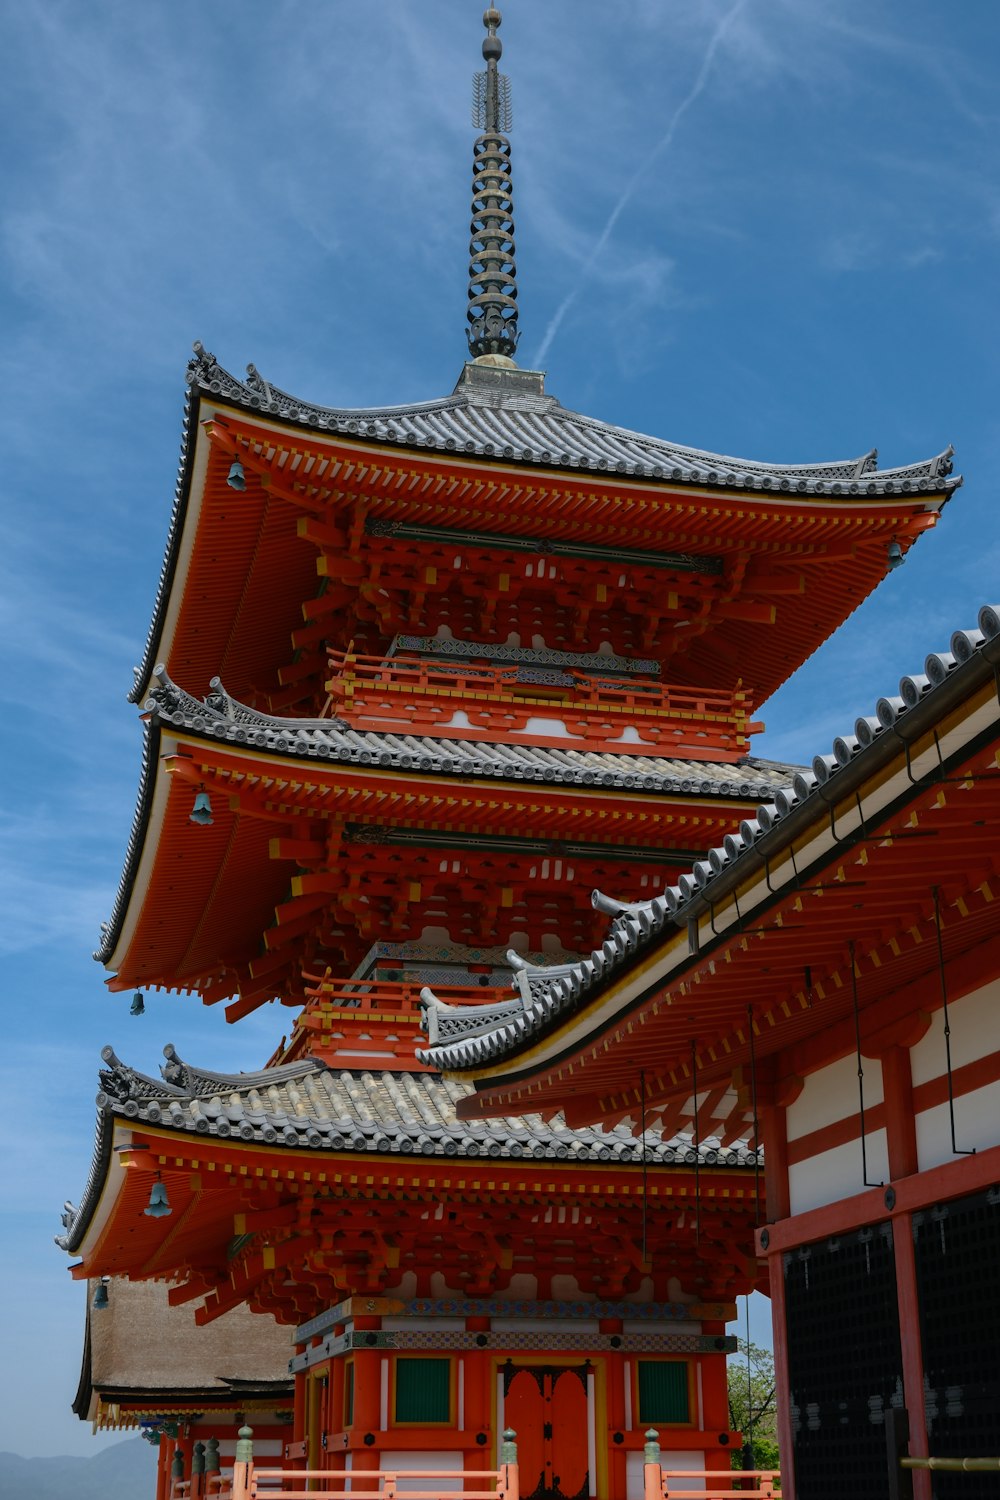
[492, 272]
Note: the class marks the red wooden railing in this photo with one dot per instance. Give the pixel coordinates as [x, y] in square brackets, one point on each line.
[426, 694]
[728, 1484]
[353, 998]
[252, 1483]
[386, 1011]
[247, 1481]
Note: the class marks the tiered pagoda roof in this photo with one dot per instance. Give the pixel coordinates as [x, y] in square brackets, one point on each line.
[494, 471]
[292, 781]
[345, 1173]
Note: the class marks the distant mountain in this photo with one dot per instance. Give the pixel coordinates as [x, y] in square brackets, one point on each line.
[127, 1471]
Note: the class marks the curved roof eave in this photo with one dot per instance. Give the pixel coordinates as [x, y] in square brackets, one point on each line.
[521, 426]
[310, 1106]
[587, 441]
[330, 741]
[223, 721]
[111, 929]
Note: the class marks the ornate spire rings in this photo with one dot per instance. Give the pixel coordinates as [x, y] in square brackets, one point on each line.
[492, 310]
[492, 270]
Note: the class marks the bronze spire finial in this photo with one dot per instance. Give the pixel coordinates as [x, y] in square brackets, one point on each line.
[492, 310]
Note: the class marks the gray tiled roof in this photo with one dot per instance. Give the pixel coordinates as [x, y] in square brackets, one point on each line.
[222, 719]
[550, 995]
[504, 416]
[309, 1105]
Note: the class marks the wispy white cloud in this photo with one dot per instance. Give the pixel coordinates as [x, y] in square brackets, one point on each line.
[625, 198]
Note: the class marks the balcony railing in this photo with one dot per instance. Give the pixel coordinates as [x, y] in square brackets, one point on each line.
[389, 1000]
[425, 697]
[252, 1483]
[383, 1016]
[659, 1483]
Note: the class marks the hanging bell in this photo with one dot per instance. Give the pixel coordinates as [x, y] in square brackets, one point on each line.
[159, 1203]
[236, 479]
[138, 1006]
[100, 1298]
[201, 813]
[894, 556]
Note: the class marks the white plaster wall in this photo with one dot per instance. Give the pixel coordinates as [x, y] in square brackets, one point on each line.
[649, 1325]
[553, 729]
[977, 1125]
[402, 1458]
[564, 1289]
[837, 1174]
[831, 1094]
[438, 1325]
[684, 1459]
[586, 1328]
[975, 1032]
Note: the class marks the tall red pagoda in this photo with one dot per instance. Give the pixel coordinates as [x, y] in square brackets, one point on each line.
[418, 679]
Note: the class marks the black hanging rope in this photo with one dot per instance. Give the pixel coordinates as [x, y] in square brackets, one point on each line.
[861, 1069]
[947, 1024]
[642, 1097]
[748, 1443]
[697, 1147]
[756, 1121]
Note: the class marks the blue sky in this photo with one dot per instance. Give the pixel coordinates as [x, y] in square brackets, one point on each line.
[769, 228]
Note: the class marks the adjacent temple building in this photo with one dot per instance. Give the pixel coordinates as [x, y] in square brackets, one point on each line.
[421, 682]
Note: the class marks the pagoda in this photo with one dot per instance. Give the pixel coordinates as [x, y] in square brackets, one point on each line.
[418, 680]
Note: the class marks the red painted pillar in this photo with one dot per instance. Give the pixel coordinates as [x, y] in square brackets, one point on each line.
[300, 1415]
[776, 1278]
[910, 1344]
[774, 1137]
[901, 1142]
[367, 1401]
[715, 1400]
[478, 1402]
[185, 1444]
[614, 1374]
[335, 1412]
[164, 1457]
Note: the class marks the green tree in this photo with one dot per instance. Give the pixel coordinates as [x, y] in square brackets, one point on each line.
[752, 1404]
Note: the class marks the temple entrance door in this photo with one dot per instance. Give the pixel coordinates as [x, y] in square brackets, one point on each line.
[547, 1407]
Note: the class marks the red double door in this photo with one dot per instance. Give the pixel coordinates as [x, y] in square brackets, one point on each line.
[547, 1407]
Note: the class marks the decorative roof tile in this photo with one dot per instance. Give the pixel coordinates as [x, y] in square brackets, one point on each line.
[307, 1105]
[498, 414]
